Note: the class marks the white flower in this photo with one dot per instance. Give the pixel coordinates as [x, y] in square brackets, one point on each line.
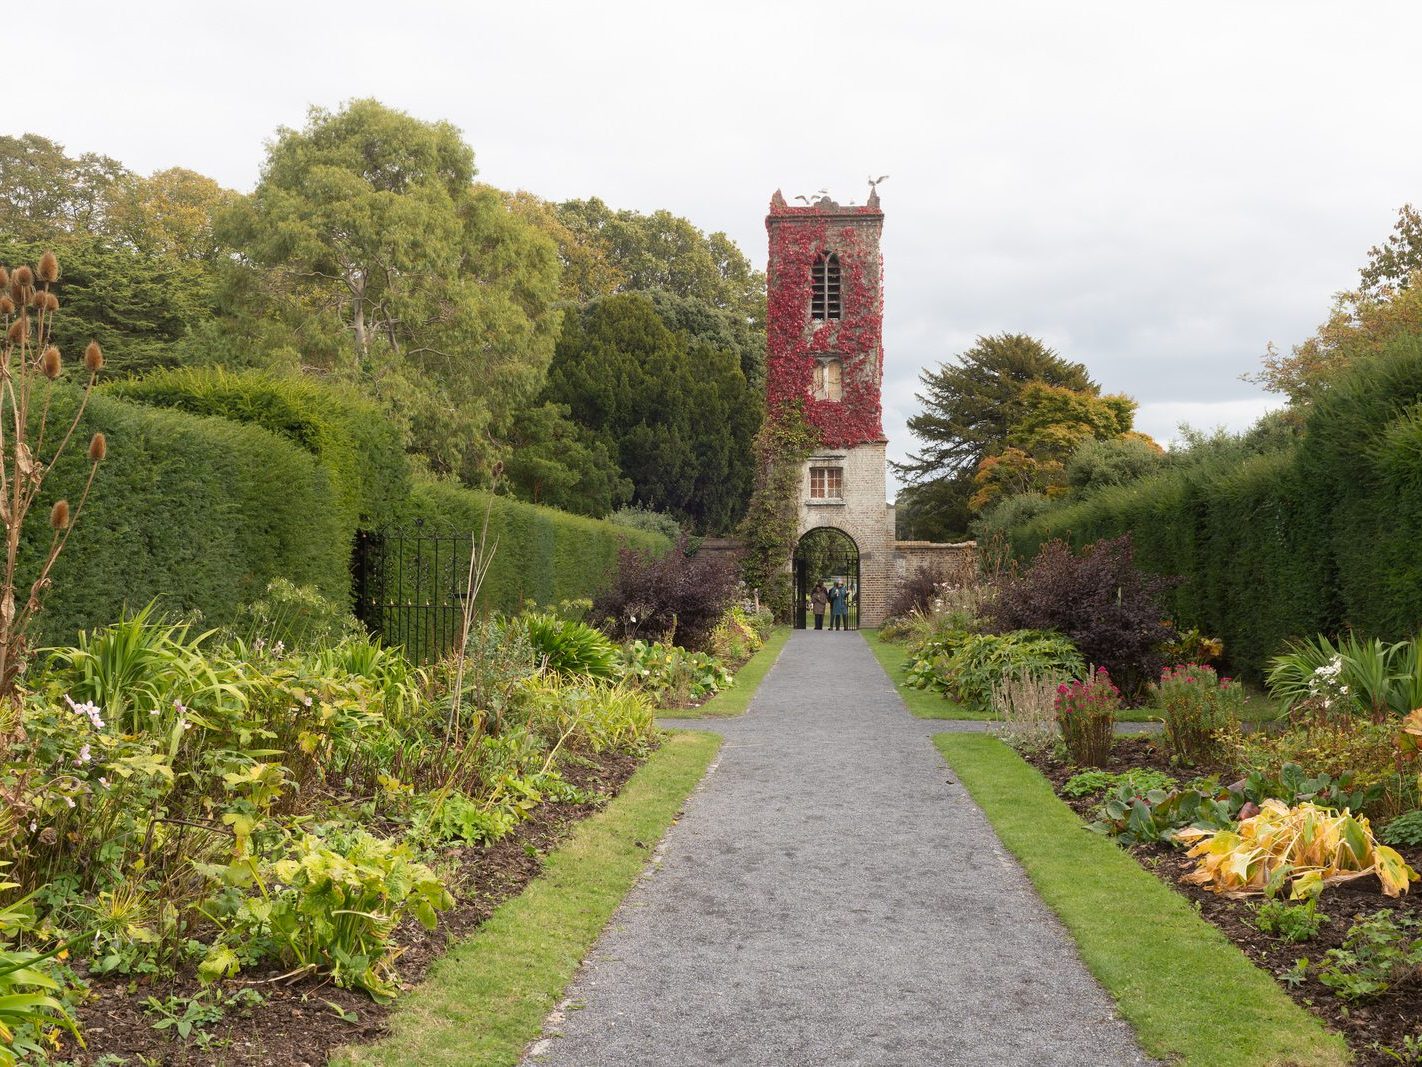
[69, 801]
[88, 709]
[103, 781]
[83, 756]
[33, 826]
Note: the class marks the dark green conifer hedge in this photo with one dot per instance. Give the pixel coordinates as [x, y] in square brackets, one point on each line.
[202, 512]
[1319, 538]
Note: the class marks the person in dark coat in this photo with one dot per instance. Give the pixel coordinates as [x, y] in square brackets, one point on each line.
[818, 603]
[839, 606]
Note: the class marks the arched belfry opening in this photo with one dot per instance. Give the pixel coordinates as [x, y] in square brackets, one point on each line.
[824, 556]
[825, 287]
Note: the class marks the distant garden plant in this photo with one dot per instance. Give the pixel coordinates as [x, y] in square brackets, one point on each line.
[1086, 715]
[31, 445]
[677, 597]
[1111, 610]
[1196, 705]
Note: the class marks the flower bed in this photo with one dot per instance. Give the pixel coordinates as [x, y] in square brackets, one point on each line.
[1371, 1025]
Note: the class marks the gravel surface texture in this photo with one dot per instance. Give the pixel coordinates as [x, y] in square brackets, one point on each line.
[831, 896]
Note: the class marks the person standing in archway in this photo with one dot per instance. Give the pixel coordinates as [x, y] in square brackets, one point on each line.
[839, 606]
[818, 602]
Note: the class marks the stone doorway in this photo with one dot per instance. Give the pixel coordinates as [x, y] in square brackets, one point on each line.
[825, 555]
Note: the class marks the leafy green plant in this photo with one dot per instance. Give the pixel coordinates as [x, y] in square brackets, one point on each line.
[1405, 830]
[1378, 953]
[1132, 817]
[327, 906]
[32, 995]
[966, 666]
[1138, 780]
[570, 647]
[1196, 705]
[674, 676]
[184, 1015]
[1409, 1051]
[1352, 673]
[1291, 922]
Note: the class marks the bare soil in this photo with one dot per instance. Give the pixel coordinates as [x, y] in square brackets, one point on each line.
[298, 1024]
[1368, 1027]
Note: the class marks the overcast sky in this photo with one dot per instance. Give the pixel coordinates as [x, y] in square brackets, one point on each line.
[1155, 189]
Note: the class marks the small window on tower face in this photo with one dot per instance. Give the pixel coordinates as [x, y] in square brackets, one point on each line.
[824, 287]
[826, 483]
[829, 380]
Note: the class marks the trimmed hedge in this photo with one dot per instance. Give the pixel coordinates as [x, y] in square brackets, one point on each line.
[201, 512]
[543, 554]
[1317, 539]
[360, 449]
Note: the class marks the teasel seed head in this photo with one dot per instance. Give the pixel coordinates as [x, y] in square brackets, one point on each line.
[19, 330]
[48, 268]
[50, 363]
[7, 306]
[59, 515]
[4, 278]
[93, 358]
[39, 299]
[23, 276]
[51, 302]
[98, 448]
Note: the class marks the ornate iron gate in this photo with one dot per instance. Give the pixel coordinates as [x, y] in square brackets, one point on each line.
[825, 555]
[410, 586]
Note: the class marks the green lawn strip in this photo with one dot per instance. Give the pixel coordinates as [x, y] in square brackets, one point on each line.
[735, 700]
[487, 999]
[1190, 994]
[922, 703]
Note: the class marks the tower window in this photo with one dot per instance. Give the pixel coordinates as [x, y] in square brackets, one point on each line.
[826, 483]
[824, 287]
[829, 380]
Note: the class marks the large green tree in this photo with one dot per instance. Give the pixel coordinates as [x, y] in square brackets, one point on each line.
[665, 251]
[674, 407]
[970, 406]
[381, 262]
[45, 192]
[555, 461]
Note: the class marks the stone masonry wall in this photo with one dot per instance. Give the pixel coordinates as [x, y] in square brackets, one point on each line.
[862, 514]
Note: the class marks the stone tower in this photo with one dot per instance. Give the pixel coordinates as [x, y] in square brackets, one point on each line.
[824, 348]
[824, 339]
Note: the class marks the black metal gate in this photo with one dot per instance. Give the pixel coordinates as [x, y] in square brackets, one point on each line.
[826, 555]
[410, 587]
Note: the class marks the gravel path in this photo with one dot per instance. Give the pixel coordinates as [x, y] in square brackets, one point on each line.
[831, 897]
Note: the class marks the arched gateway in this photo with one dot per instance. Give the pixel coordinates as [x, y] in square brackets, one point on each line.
[826, 556]
[824, 334]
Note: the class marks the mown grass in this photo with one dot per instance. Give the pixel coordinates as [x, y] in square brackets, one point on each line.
[921, 703]
[1190, 994]
[734, 701]
[487, 999]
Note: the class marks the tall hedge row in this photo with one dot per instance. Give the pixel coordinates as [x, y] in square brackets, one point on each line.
[1321, 538]
[542, 554]
[202, 512]
[359, 448]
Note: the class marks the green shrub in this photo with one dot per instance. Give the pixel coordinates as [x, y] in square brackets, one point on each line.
[200, 512]
[1196, 706]
[355, 444]
[1379, 952]
[966, 666]
[1292, 922]
[1137, 779]
[569, 647]
[648, 521]
[1405, 830]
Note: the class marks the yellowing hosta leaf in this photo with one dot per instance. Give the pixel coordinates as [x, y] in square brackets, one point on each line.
[1305, 845]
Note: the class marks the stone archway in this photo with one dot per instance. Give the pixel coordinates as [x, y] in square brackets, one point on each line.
[826, 554]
